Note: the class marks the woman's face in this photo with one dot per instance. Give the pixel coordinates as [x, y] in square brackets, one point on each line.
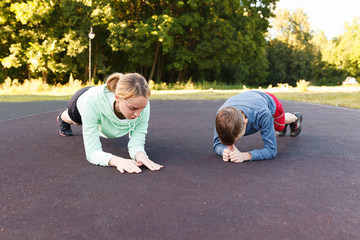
[131, 108]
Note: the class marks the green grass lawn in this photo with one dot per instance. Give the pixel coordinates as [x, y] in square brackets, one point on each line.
[350, 99]
[30, 98]
[341, 99]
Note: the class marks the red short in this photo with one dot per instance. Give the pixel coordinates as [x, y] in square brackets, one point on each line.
[279, 115]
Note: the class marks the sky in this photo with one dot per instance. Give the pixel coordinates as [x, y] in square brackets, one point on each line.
[327, 15]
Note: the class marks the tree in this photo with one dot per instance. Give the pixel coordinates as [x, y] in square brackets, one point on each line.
[164, 40]
[48, 37]
[344, 51]
[192, 38]
[293, 37]
[293, 28]
[10, 50]
[28, 50]
[279, 57]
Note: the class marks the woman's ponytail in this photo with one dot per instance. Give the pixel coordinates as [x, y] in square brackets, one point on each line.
[112, 81]
[128, 85]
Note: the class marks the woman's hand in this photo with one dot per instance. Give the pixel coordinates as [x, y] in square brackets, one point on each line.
[143, 159]
[124, 165]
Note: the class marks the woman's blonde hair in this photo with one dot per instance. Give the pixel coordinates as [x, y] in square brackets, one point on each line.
[128, 85]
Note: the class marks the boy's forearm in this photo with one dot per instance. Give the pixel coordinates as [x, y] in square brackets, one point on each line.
[263, 154]
[246, 156]
[219, 148]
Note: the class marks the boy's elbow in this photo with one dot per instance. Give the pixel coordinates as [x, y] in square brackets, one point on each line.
[217, 149]
[273, 154]
[215, 144]
[214, 147]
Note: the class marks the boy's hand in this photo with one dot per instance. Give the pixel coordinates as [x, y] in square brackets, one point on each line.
[226, 155]
[236, 156]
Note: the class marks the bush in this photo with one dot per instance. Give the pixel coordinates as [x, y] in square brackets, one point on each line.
[302, 85]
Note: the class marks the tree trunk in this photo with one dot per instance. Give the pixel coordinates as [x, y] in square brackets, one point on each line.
[94, 71]
[172, 76]
[44, 74]
[93, 76]
[181, 75]
[160, 68]
[28, 70]
[155, 60]
[86, 74]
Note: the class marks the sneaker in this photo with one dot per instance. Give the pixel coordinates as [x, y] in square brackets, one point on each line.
[295, 127]
[283, 132]
[65, 128]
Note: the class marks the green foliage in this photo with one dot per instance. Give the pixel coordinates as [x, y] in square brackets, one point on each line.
[295, 53]
[164, 40]
[344, 51]
[279, 57]
[293, 28]
[171, 42]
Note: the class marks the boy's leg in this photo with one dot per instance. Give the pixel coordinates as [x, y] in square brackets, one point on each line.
[282, 120]
[279, 117]
[283, 132]
[295, 127]
[290, 118]
[294, 120]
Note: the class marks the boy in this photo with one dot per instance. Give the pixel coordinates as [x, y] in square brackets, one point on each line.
[247, 113]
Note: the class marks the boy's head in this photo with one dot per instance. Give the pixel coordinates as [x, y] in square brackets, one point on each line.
[230, 125]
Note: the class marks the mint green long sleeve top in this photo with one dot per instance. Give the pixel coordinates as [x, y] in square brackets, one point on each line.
[96, 107]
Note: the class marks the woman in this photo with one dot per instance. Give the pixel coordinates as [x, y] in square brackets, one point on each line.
[119, 107]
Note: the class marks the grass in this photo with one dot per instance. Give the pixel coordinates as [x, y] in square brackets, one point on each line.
[342, 99]
[344, 96]
[30, 98]
[192, 94]
[349, 99]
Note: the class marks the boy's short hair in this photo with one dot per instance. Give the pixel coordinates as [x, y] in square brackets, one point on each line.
[229, 124]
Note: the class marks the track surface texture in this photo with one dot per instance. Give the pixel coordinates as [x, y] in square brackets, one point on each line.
[310, 191]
